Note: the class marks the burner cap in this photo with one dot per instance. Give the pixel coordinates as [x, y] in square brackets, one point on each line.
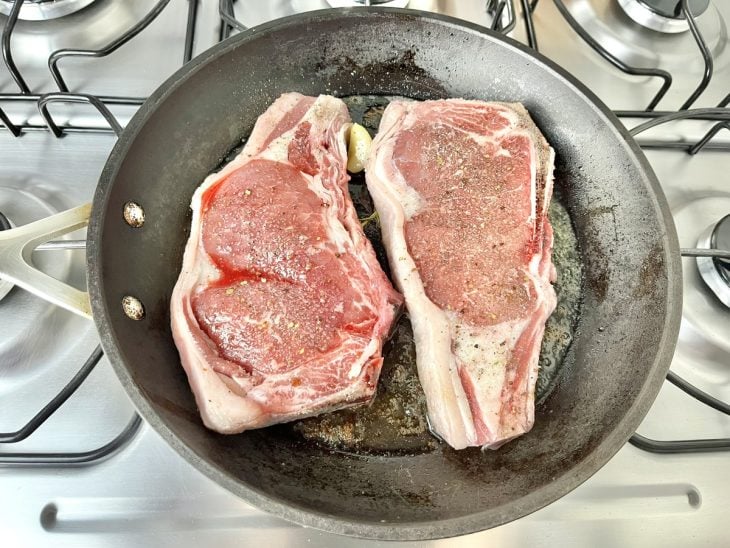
[672, 8]
[662, 15]
[716, 271]
[42, 10]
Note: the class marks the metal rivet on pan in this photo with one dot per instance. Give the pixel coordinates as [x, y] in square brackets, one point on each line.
[133, 214]
[133, 307]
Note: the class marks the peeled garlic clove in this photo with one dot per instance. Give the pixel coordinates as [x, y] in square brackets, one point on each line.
[358, 149]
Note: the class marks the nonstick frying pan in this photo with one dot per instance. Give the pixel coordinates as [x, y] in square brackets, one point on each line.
[632, 279]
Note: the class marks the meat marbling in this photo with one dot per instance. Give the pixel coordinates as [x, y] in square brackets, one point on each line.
[281, 307]
[462, 189]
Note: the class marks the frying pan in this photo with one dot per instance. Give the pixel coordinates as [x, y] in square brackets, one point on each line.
[631, 295]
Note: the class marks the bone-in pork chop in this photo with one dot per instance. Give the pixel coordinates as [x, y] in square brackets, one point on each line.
[462, 188]
[281, 307]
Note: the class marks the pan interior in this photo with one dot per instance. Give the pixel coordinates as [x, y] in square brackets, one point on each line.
[623, 339]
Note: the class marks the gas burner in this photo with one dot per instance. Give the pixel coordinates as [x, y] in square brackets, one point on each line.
[25, 316]
[716, 272]
[42, 10]
[662, 15]
[100, 23]
[704, 317]
[638, 46]
[349, 3]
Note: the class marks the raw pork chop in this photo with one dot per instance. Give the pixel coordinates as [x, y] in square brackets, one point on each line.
[462, 188]
[281, 307]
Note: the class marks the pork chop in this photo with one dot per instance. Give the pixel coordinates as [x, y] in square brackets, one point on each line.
[462, 189]
[281, 307]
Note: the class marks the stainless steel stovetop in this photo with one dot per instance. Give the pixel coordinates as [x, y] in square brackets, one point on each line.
[129, 488]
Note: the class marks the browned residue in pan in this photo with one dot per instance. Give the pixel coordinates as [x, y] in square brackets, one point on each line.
[595, 248]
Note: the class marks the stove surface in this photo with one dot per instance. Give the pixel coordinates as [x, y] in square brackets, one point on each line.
[144, 494]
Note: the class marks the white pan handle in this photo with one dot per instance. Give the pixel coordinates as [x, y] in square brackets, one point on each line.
[16, 266]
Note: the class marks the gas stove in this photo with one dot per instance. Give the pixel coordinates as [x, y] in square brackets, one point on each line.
[77, 465]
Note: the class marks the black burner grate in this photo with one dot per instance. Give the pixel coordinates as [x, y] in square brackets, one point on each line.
[722, 116]
[59, 458]
[62, 95]
[101, 104]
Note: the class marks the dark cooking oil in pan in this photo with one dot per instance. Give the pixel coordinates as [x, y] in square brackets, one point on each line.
[395, 421]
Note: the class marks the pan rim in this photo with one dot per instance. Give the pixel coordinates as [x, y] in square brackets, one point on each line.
[595, 459]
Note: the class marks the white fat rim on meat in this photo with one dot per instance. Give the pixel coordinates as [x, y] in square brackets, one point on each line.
[227, 407]
[481, 352]
[356, 368]
[407, 198]
[447, 403]
[278, 151]
[533, 183]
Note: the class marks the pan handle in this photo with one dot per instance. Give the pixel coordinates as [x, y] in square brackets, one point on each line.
[16, 266]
